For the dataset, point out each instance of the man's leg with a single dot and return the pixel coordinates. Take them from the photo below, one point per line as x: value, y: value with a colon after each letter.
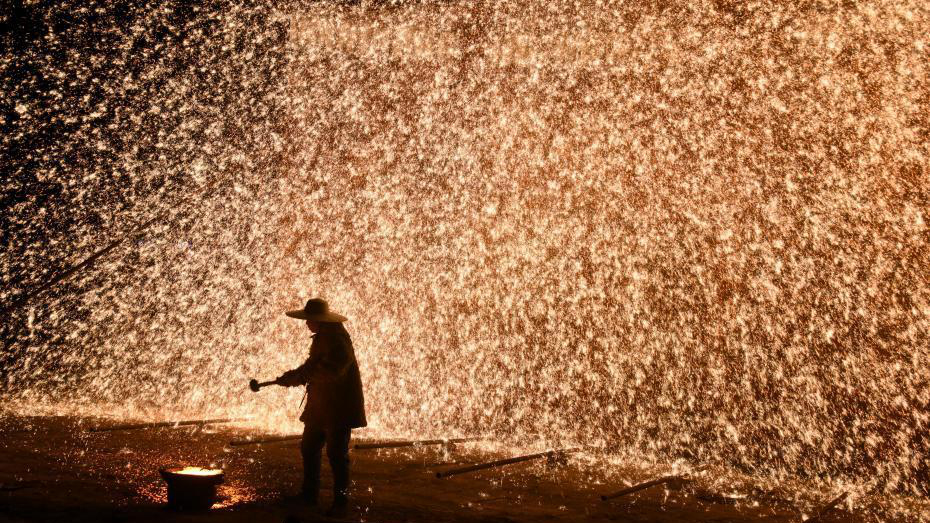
x: 311, y: 448
x: 337, y: 450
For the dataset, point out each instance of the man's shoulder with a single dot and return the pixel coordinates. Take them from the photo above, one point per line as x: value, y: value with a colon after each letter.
x: 332, y: 338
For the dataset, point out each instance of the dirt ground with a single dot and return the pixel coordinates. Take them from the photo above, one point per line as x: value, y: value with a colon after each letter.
x: 53, y: 469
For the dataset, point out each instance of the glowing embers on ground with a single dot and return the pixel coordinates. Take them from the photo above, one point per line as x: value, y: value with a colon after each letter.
x: 228, y: 495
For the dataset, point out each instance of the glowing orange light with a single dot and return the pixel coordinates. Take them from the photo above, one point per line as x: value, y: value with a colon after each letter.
x: 198, y: 471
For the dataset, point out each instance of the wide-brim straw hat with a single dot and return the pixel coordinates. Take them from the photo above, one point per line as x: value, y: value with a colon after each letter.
x: 316, y: 309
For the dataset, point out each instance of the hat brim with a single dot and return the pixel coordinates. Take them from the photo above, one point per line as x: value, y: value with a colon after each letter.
x: 329, y: 317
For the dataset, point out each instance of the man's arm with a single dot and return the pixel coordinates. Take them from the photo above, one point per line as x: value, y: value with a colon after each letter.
x: 297, y: 377
x: 335, y: 362
x: 301, y: 375
x: 329, y: 360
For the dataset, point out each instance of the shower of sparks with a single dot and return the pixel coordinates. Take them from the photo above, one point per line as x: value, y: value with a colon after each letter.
x: 690, y: 230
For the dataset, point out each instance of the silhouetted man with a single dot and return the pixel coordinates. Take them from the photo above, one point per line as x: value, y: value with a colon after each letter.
x: 335, y: 404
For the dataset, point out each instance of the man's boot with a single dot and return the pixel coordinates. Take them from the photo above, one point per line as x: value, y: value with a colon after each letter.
x: 302, y: 499
x: 310, y: 495
x: 340, y: 506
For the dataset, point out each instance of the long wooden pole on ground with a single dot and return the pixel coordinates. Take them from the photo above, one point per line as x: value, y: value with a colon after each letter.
x: 259, y: 441
x: 836, y: 501
x: 640, y: 486
x: 358, y: 446
x: 133, y: 426
x: 503, y: 462
x: 412, y: 443
x: 652, y: 483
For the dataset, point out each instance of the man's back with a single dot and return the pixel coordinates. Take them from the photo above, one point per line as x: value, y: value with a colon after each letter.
x: 334, y: 383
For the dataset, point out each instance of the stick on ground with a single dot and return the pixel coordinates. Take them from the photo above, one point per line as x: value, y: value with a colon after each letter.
x: 172, y: 424
x: 652, y: 483
x: 640, y: 486
x: 413, y: 443
x: 836, y: 501
x: 269, y: 439
x: 503, y: 462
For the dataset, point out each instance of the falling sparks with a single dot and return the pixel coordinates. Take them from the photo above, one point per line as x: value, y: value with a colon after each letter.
x: 692, y: 231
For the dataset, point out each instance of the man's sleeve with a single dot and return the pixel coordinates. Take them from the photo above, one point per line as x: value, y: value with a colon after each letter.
x: 297, y: 377
x: 302, y: 375
x: 335, y: 361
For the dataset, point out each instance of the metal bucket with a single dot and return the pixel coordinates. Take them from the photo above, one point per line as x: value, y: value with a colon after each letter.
x: 191, y: 488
